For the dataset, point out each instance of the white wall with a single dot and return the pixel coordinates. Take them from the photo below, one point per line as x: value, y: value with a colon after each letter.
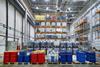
x: 31, y: 33
x: 11, y: 18
x: 3, y: 21
x: 90, y: 13
x: 72, y: 32
x: 18, y: 26
x: 10, y: 22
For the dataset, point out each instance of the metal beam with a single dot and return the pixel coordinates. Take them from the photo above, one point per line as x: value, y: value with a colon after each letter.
x: 17, y: 6
x: 6, y: 41
x: 14, y: 23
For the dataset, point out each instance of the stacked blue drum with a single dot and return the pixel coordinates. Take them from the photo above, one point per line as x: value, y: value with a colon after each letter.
x: 27, y: 57
x: 69, y: 57
x: 91, y: 56
x: 63, y: 57
x: 81, y: 56
x: 52, y: 56
x: 23, y: 56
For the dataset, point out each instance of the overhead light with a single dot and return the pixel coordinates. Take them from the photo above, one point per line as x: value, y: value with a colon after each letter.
x: 66, y: 10
x: 47, y: 8
x: 69, y: 8
x: 66, y: 15
x: 79, y: 0
x: 46, y: 0
x: 48, y: 15
x: 72, y: 14
x: 33, y: 0
x: 56, y: 6
x: 37, y: 7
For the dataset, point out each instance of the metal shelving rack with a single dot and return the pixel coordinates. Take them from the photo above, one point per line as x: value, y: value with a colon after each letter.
x: 81, y: 30
x: 96, y: 27
x: 48, y: 27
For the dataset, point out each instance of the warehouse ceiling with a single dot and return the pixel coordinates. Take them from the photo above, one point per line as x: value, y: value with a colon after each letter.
x: 69, y: 8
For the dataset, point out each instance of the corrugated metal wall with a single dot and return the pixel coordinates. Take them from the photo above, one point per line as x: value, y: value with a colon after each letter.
x: 18, y: 26
x: 15, y: 20
x: 10, y: 22
x: 2, y: 22
x: 31, y: 33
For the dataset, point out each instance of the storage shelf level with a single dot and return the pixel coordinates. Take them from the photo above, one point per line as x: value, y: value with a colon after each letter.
x: 49, y: 26
x: 49, y: 21
x: 97, y: 11
x: 50, y: 38
x: 50, y: 32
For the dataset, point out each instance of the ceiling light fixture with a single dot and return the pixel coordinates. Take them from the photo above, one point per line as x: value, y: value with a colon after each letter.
x: 33, y: 0
x: 48, y: 15
x: 56, y: 6
x: 69, y: 8
x: 37, y: 7
x: 47, y: 8
x: 46, y: 0
x: 79, y: 0
x: 72, y: 14
x: 66, y: 10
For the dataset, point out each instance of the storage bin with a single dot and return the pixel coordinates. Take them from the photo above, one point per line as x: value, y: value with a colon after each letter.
x: 81, y: 57
x: 20, y: 58
x: 23, y: 53
x: 41, y: 58
x: 53, y: 18
x: 6, y: 57
x: 52, y: 55
x: 52, y: 58
x: 13, y: 57
x: 69, y: 57
x: 91, y: 57
x: 34, y: 58
x: 27, y: 58
x: 63, y: 57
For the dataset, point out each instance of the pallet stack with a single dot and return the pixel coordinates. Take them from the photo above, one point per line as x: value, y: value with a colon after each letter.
x: 65, y: 57
x: 13, y: 57
x: 91, y: 56
x: 10, y: 56
x: 52, y: 56
x: 6, y: 57
x: 38, y: 57
x: 33, y: 58
x: 81, y: 56
x: 21, y: 55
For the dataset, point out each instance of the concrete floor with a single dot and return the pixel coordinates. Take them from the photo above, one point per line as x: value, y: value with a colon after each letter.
x: 51, y: 65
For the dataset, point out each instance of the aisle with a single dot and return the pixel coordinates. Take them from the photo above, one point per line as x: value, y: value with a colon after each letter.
x: 52, y: 65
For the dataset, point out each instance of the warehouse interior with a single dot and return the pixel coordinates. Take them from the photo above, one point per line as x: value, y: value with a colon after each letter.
x: 50, y: 33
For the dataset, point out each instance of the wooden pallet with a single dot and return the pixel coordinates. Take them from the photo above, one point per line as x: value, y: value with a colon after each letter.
x: 62, y: 63
x: 69, y: 63
x: 97, y: 63
x: 40, y: 63
x: 20, y: 63
x: 12, y: 62
x: 87, y: 62
x: 26, y: 63
x: 37, y: 63
x: 53, y: 63
x: 76, y: 62
x: 33, y: 63
x: 6, y: 63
